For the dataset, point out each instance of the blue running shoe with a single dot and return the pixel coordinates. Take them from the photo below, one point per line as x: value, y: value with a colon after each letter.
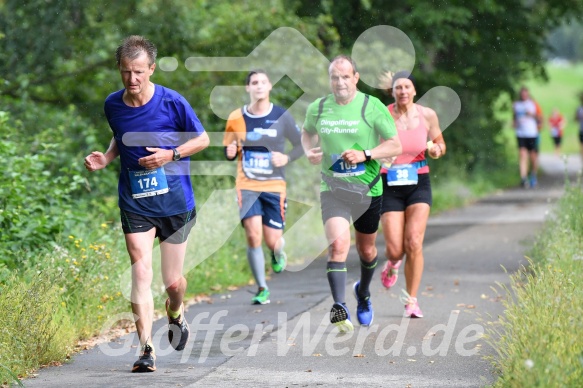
x: 340, y: 317
x: 364, y: 311
x: 533, y: 181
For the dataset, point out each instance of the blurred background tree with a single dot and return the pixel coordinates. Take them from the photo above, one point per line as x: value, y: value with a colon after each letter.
x: 566, y: 41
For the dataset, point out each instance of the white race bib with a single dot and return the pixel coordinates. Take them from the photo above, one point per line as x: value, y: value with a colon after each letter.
x: 340, y: 168
x: 402, y: 175
x: 147, y: 183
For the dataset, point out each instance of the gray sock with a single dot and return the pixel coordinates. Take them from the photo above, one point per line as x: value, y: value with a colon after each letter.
x: 257, y: 263
x: 366, y: 274
x: 336, y: 273
x: 280, y: 250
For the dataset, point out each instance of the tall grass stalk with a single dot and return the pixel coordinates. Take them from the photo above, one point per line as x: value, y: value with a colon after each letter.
x: 34, y: 329
x: 538, y: 339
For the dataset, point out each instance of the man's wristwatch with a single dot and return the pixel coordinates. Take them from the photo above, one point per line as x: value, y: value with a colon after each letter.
x: 367, y: 155
x: 176, y: 154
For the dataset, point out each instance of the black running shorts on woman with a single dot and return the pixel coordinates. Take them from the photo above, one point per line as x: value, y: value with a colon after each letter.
x: 397, y: 198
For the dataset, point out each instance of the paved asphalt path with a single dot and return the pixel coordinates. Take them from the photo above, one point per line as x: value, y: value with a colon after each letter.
x: 290, y: 342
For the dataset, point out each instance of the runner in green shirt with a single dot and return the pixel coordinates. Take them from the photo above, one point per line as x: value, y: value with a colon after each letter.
x: 344, y: 133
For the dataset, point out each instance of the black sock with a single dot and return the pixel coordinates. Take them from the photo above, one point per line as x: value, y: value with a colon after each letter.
x: 336, y: 273
x: 366, y: 274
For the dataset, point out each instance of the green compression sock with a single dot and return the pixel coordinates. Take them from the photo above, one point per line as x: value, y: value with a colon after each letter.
x: 173, y: 314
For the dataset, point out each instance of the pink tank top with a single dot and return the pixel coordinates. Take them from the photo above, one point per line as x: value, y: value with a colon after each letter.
x: 413, y: 141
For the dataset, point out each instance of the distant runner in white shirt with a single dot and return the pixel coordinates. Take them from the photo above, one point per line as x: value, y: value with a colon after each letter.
x: 525, y: 124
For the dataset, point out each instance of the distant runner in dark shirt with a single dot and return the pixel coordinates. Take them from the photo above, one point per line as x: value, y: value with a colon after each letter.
x: 256, y: 136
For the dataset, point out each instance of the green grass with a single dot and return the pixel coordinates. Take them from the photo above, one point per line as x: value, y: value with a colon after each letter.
x: 34, y: 327
x: 538, y: 337
x: 561, y: 92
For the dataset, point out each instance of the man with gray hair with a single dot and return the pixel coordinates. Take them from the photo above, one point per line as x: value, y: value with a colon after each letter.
x: 343, y: 132
x: 156, y: 198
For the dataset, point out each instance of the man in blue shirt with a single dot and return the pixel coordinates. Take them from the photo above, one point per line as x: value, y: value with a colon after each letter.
x: 155, y: 192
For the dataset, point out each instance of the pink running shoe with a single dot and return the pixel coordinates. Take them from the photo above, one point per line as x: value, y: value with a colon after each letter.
x: 390, y: 273
x: 412, y: 309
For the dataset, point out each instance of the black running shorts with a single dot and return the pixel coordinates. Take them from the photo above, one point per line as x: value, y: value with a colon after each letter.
x: 530, y: 143
x: 171, y: 229
x: 366, y: 217
x: 397, y: 198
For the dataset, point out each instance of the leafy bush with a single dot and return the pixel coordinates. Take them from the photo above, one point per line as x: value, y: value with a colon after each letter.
x: 35, y: 203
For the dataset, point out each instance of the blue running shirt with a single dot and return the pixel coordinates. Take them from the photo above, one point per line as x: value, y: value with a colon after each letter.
x: 166, y: 121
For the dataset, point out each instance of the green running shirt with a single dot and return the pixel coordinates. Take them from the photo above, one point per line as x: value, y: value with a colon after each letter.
x: 341, y: 127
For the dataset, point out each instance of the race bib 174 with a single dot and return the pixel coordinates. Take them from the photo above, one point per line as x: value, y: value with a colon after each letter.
x: 147, y: 183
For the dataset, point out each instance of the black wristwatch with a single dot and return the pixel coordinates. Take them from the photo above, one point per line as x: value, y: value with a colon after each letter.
x: 367, y: 155
x: 176, y: 154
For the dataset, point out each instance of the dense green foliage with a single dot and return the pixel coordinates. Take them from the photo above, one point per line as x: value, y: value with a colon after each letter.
x: 37, y: 197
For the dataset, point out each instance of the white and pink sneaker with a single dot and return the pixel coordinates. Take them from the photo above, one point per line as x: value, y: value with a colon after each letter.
x: 412, y: 309
x: 390, y: 273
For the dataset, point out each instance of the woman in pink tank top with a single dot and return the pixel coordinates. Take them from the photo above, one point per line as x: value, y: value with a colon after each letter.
x: 407, y: 195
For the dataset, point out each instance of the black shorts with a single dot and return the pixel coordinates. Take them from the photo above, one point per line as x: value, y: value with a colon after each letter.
x: 581, y: 137
x: 170, y: 229
x: 530, y: 143
x: 398, y: 198
x: 557, y: 140
x: 366, y: 217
